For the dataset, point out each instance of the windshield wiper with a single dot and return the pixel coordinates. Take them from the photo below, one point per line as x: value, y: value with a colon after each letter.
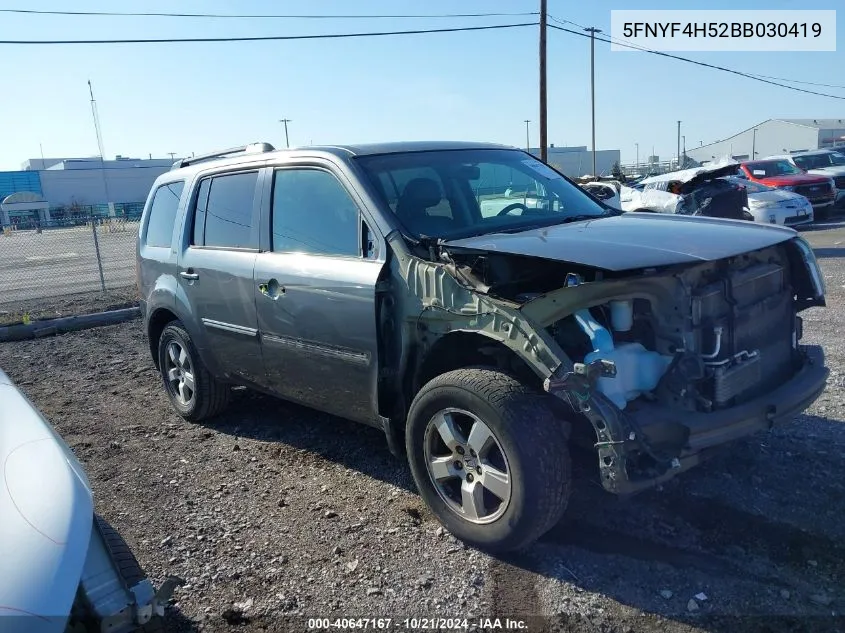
x: 579, y: 218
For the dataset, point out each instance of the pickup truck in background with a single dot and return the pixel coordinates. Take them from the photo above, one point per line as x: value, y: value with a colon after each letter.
x: 782, y: 173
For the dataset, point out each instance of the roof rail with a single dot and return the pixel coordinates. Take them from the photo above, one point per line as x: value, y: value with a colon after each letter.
x: 252, y: 148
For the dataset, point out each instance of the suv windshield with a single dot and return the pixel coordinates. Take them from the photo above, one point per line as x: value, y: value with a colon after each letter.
x: 817, y: 161
x: 771, y: 168
x: 458, y: 193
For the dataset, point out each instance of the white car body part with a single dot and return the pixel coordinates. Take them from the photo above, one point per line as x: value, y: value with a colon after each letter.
x: 605, y: 192
x: 654, y: 195
x: 52, y: 551
x: 770, y: 205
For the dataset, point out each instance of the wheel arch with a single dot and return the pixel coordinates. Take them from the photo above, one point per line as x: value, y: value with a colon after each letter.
x: 159, y: 319
x: 460, y: 349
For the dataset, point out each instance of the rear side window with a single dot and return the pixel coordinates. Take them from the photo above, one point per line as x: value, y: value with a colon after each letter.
x: 163, y: 214
x: 224, y: 213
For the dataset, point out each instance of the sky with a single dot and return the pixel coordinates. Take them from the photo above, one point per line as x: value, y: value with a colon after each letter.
x: 154, y: 99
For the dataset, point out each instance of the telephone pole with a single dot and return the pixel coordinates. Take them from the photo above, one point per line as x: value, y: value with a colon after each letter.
x: 754, y: 145
x: 544, y: 154
x: 592, y: 31
x: 285, y: 123
x: 527, y: 137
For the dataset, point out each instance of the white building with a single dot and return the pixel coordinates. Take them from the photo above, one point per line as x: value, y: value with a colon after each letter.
x: 578, y: 161
x: 774, y: 136
x: 50, y: 188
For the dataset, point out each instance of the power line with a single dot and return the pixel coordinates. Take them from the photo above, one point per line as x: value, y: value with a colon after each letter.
x: 267, y: 38
x: 799, y: 81
x: 260, y: 16
x: 698, y: 63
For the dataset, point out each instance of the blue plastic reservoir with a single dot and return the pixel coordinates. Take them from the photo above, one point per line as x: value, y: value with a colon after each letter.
x: 637, y: 369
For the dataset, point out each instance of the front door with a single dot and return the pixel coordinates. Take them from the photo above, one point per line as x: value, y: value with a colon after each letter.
x: 315, y: 295
x: 216, y: 272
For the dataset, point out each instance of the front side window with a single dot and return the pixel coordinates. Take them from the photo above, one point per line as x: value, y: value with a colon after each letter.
x: 224, y: 210
x: 313, y: 213
x: 163, y: 214
x: 457, y: 193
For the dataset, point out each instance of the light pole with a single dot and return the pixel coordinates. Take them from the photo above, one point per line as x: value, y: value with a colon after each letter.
x: 679, y: 144
x: 684, y: 145
x: 637, y: 168
x: 544, y: 139
x: 527, y: 136
x: 592, y: 31
x: 285, y: 123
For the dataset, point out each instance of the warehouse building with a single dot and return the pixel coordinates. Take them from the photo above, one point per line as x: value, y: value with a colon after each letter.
x: 775, y: 136
x: 578, y: 160
x: 47, y: 189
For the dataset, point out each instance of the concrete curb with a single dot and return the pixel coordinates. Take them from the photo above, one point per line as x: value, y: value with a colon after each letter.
x: 49, y: 327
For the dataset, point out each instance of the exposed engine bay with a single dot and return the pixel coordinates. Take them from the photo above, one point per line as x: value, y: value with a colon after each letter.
x: 669, y: 347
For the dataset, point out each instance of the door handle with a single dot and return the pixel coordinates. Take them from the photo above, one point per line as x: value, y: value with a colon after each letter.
x: 189, y: 274
x: 271, y: 289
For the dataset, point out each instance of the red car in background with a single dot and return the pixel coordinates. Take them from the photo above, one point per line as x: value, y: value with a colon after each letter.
x: 782, y: 174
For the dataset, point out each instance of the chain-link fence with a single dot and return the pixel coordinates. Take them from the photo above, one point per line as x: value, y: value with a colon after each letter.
x: 41, y: 259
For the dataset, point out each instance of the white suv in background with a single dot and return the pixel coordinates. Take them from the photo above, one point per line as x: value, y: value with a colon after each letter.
x: 823, y: 162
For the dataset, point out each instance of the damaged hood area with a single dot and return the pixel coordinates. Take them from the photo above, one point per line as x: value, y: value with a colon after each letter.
x: 631, y: 241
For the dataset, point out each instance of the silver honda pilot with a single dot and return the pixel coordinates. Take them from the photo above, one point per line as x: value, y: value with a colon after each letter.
x: 477, y: 306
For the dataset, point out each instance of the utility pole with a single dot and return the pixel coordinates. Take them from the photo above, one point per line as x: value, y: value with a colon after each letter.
x: 592, y: 31
x: 172, y: 155
x: 96, y: 117
x: 638, y: 157
x: 285, y: 123
x: 527, y: 137
x: 679, y: 144
x: 684, y: 146
x: 544, y: 155
x: 754, y: 145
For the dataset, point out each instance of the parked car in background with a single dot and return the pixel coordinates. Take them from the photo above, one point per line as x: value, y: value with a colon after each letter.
x: 822, y: 162
x: 783, y: 174
x: 775, y: 206
x: 61, y: 566
x: 698, y: 191
x: 366, y: 282
x: 607, y: 192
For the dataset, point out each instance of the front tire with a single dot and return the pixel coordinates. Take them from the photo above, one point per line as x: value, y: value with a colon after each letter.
x: 193, y: 391
x: 489, y: 458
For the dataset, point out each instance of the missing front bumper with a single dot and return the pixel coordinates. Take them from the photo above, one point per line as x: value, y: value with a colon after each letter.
x: 675, y: 441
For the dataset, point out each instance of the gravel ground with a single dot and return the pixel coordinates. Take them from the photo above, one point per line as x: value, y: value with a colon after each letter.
x: 274, y: 511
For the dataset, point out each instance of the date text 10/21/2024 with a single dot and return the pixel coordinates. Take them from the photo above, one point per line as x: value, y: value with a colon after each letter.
x: 418, y: 624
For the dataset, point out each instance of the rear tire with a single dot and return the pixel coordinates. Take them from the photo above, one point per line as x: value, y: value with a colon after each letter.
x: 193, y: 391
x: 529, y: 445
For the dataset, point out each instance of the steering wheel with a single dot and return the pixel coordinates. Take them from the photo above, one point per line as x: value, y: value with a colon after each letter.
x: 512, y: 207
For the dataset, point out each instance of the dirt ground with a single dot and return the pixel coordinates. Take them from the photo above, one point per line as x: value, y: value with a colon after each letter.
x: 68, y: 305
x: 274, y: 512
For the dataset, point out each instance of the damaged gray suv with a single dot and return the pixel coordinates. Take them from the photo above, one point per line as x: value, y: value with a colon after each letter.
x: 481, y: 310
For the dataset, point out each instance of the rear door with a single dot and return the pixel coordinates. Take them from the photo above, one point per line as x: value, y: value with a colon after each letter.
x: 216, y: 271
x: 315, y: 292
